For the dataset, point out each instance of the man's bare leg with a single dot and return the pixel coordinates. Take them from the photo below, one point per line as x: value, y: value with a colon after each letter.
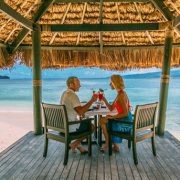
x: 103, y: 122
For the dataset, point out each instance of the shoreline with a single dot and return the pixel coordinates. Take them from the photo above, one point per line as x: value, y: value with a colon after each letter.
x: 15, y: 124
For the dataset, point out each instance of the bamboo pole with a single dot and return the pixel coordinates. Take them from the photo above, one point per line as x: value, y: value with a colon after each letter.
x: 165, y: 81
x: 37, y: 83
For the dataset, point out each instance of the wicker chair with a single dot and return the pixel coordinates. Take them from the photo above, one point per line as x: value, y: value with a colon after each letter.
x: 142, y: 127
x: 55, y: 119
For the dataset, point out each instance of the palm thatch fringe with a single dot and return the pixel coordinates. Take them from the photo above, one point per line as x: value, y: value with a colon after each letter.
x: 111, y: 60
x: 6, y: 60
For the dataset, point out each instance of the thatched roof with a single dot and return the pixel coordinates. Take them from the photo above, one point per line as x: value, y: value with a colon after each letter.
x: 117, y: 50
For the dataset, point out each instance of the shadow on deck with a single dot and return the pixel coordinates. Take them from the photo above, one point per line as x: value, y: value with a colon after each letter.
x: 24, y: 160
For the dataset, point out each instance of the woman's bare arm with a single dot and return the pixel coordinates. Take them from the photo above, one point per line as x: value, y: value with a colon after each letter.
x: 109, y: 106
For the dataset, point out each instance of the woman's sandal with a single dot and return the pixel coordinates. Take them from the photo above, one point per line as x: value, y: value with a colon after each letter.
x: 82, y: 150
x: 115, y: 149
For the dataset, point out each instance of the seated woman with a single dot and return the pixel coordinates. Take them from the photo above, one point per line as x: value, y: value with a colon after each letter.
x: 122, y: 105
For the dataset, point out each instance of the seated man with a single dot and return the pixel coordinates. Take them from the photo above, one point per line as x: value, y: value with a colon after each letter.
x: 75, y: 110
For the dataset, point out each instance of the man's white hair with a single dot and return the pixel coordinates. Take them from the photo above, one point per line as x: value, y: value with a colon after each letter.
x: 70, y: 80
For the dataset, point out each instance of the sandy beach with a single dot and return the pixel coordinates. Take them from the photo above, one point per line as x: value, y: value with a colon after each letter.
x: 14, y: 125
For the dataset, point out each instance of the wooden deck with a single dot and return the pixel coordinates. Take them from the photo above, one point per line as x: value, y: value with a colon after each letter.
x: 24, y: 160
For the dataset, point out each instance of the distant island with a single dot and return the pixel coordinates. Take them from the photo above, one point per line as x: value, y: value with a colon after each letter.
x: 4, y: 77
x: 173, y: 74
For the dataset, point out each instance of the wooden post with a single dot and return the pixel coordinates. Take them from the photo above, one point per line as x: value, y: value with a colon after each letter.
x: 37, y: 83
x: 165, y: 81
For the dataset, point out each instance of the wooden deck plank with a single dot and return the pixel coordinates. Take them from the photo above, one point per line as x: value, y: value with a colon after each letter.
x: 74, y: 166
x: 28, y: 164
x: 67, y: 168
x: 19, y: 163
x: 55, y: 164
x: 58, y: 171
x: 87, y: 167
x: 113, y: 166
x: 44, y: 162
x: 45, y: 171
x: 100, y: 166
x: 154, y: 159
x: 153, y: 166
x: 35, y: 158
x: 24, y: 160
x: 131, y: 163
x: 145, y: 163
x: 127, y: 168
x: 134, y: 169
x: 39, y: 163
x: 120, y: 166
x: 12, y: 150
x: 80, y: 168
x: 14, y: 157
x: 107, y: 168
x: 165, y: 158
x: 93, y: 169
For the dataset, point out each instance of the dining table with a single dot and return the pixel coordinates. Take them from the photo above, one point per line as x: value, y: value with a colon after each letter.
x: 97, y: 113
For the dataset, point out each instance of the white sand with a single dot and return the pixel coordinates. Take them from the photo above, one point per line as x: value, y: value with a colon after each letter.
x: 14, y: 125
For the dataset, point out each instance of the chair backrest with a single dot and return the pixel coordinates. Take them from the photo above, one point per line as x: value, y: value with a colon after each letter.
x: 55, y: 117
x: 145, y: 116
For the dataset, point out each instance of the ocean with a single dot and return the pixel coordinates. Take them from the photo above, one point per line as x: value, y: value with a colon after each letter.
x: 16, y: 95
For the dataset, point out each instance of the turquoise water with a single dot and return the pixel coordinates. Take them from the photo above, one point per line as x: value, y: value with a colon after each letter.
x: 16, y: 95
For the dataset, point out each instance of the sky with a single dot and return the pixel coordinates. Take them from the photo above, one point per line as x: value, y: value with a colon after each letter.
x: 24, y: 72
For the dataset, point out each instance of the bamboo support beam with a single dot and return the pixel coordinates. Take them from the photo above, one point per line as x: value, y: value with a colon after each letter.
x: 82, y: 19
x: 62, y: 22
x: 175, y: 7
x: 101, y: 22
x: 165, y: 81
x: 42, y: 9
x: 117, y: 9
x: 90, y: 48
x: 17, y: 26
x: 9, y: 20
x: 37, y: 82
x: 159, y: 4
x: 140, y: 16
x: 16, y: 16
x: 176, y: 24
x: 102, y: 27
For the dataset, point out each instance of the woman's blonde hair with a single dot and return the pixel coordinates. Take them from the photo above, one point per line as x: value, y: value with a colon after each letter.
x: 117, y: 81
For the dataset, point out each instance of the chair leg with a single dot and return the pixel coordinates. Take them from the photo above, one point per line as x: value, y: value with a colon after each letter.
x: 99, y: 136
x: 110, y: 144
x: 45, y: 147
x: 153, y: 145
x: 66, y: 153
x: 89, y: 145
x: 95, y: 126
x: 129, y: 144
x: 134, y: 153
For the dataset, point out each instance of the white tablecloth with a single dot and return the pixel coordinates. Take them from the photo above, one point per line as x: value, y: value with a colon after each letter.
x: 101, y: 111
